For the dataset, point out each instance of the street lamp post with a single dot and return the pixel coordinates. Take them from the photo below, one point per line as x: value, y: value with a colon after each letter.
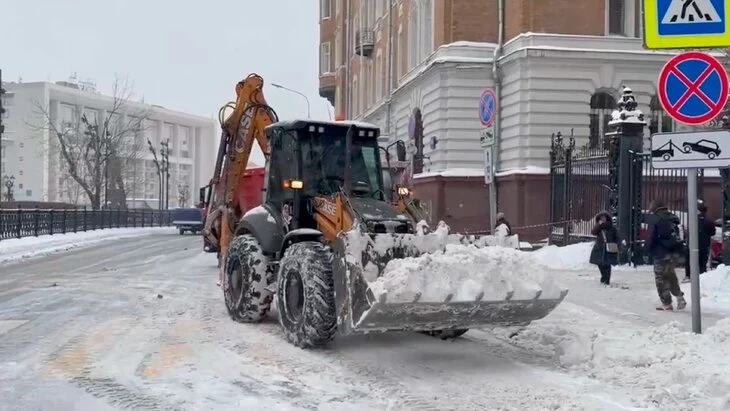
x: 9, y: 182
x: 309, y: 112
x: 165, y: 153
x: 159, y: 173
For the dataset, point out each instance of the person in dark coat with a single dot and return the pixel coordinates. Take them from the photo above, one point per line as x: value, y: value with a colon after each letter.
x: 605, y: 250
x: 665, y: 245
x: 706, y: 229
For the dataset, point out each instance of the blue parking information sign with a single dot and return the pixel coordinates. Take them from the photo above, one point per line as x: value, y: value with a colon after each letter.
x: 678, y: 24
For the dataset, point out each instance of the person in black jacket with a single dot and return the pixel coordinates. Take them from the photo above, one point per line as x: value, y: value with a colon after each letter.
x: 605, y: 250
x: 706, y: 229
x: 665, y: 245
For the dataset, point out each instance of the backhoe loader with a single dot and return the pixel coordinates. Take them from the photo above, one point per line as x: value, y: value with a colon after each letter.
x: 324, y: 182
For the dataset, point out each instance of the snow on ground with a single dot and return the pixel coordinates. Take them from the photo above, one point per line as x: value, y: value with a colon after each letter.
x: 26, y: 247
x: 715, y: 289
x: 667, y: 366
x: 571, y: 257
x: 465, y: 272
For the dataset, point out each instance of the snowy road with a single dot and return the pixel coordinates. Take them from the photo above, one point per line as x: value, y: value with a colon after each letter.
x: 140, y: 324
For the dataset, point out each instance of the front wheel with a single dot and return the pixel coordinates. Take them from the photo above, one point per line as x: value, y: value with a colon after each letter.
x: 305, y: 295
x: 245, y: 279
x: 711, y: 155
x: 687, y: 149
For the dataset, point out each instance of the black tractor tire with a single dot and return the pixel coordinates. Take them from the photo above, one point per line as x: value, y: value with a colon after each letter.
x: 245, y: 279
x: 305, y: 295
x: 446, y: 334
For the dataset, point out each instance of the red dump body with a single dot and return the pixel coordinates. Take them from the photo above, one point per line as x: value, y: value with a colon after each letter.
x: 250, y: 188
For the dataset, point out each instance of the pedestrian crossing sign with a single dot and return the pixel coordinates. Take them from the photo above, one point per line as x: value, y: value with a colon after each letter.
x: 681, y: 24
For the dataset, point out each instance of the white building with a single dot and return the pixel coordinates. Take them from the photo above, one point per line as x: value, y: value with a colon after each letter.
x: 31, y: 151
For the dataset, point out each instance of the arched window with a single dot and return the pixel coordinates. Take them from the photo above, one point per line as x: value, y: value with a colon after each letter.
x: 602, y: 104
x: 659, y: 121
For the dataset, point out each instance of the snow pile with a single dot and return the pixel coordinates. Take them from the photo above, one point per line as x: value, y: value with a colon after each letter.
x: 715, y: 289
x: 673, y: 368
x: 27, y: 247
x: 570, y: 257
x: 465, y: 271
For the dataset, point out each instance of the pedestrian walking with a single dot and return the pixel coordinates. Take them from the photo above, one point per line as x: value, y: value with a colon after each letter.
x: 605, y: 250
x: 706, y: 229
x: 502, y: 228
x: 665, y: 245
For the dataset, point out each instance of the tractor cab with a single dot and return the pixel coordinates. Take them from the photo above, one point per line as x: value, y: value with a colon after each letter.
x: 312, y: 161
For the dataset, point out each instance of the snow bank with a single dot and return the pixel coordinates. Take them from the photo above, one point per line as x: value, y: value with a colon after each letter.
x: 715, y: 289
x: 27, y: 247
x: 465, y: 271
x: 674, y: 368
x: 570, y: 257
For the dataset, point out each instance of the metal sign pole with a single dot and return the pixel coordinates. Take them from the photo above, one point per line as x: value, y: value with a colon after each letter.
x: 694, y: 261
x: 492, y: 191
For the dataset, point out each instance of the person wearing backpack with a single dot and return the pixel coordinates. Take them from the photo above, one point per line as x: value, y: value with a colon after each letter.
x: 665, y: 245
x: 605, y: 250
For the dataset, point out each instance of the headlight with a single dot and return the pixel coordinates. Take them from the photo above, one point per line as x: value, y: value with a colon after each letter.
x: 403, y: 191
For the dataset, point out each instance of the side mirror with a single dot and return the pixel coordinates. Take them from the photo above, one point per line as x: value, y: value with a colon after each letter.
x: 202, y: 194
x: 400, y: 150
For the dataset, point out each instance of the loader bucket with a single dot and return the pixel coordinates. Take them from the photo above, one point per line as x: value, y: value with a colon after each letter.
x: 360, y: 258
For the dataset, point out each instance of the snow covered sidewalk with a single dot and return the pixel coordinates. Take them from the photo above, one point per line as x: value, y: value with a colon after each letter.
x: 27, y: 247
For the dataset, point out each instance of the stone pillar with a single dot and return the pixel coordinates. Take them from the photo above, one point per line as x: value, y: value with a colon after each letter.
x: 626, y: 146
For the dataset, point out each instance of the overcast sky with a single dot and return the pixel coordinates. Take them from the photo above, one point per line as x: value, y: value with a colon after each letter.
x: 185, y: 55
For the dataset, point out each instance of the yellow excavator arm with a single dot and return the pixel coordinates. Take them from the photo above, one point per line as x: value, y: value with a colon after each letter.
x: 244, y: 126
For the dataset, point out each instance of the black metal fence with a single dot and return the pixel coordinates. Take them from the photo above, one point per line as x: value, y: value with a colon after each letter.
x: 18, y: 223
x: 581, y: 186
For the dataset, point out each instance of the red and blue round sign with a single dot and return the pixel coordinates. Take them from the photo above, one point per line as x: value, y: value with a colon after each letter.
x: 487, y: 107
x: 693, y: 88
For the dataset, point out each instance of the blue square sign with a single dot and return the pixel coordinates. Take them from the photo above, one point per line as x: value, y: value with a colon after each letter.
x: 690, y: 17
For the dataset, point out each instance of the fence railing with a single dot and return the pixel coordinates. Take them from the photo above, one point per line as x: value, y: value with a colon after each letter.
x: 18, y: 223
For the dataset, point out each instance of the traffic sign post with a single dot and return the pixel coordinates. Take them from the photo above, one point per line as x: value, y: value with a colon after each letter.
x: 680, y: 24
x: 693, y: 88
x: 693, y: 150
x: 487, y: 114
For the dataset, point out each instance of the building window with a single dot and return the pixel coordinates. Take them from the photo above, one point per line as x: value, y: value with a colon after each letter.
x: 325, y: 61
x: 602, y: 104
x: 368, y: 85
x: 21, y: 145
x: 325, y: 9
x: 20, y: 158
x: 420, y: 32
x: 378, y: 77
x: 413, y: 36
x: 426, y: 28
x: 616, y: 11
x: 401, y: 53
x: 623, y: 18
x: 660, y: 121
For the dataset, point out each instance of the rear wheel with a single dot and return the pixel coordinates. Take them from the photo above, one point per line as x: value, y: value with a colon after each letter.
x: 305, y: 295
x: 446, y: 334
x: 245, y: 279
x: 181, y: 231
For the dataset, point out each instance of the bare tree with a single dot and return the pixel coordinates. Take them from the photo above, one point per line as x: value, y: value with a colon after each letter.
x: 96, y: 151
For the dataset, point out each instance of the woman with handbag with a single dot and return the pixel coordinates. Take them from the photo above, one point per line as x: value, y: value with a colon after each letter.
x: 605, y: 249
